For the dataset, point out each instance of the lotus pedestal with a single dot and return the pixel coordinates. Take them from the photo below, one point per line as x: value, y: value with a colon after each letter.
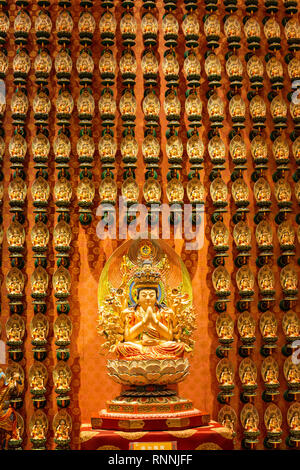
x: 149, y: 399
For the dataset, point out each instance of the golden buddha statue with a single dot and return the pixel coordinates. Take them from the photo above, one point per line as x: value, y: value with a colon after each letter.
x: 295, y: 421
x: 274, y: 424
x: 38, y: 430
x: 149, y: 327
x: 270, y: 376
x: 62, y: 431
x: 37, y: 382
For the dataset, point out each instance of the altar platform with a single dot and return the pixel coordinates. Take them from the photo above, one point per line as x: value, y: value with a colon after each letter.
x: 211, y: 437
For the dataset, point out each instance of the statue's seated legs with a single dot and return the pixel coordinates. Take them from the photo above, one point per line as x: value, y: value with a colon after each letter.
x: 166, y: 350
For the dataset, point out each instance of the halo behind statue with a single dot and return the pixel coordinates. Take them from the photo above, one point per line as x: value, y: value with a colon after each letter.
x: 163, y: 258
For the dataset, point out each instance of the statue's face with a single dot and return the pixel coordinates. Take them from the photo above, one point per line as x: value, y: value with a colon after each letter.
x: 147, y: 297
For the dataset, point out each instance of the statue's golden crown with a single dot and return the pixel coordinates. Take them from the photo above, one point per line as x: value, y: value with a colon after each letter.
x: 146, y: 277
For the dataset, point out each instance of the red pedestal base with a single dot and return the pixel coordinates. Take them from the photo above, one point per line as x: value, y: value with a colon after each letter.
x: 151, y: 421
x: 210, y: 437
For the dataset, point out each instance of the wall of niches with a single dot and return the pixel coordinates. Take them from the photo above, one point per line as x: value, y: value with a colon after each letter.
x: 162, y: 102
